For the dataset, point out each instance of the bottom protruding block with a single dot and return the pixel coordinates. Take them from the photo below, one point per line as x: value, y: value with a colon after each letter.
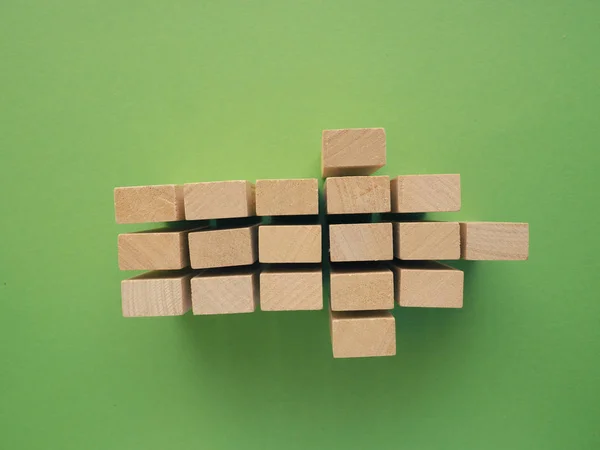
x: 291, y: 289
x: 362, y: 334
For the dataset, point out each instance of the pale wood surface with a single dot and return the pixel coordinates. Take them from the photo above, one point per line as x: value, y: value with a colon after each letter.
x: 362, y: 334
x: 495, y: 241
x: 145, y: 204
x: 225, y: 291
x: 291, y: 289
x: 426, y: 193
x: 156, y: 294
x: 223, y: 247
x: 426, y: 240
x: 357, y: 195
x: 289, y: 244
x: 287, y: 197
x: 361, y: 288
x: 357, y: 151
x: 361, y: 242
x: 219, y: 200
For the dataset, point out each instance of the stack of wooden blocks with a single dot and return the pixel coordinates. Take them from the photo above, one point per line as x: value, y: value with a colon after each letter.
x: 220, y: 258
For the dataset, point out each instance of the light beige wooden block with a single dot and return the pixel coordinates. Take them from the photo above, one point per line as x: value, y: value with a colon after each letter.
x: 361, y: 242
x: 143, y: 204
x: 289, y: 244
x: 428, y: 285
x: 425, y: 193
x: 291, y: 289
x: 219, y: 200
x: 426, y: 240
x: 354, y: 151
x: 357, y: 195
x: 223, y: 247
x: 495, y: 241
x: 361, y: 288
x: 362, y: 334
x: 287, y: 197
x: 225, y: 291
x: 156, y: 294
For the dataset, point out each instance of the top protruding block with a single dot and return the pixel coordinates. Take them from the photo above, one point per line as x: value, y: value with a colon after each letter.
x: 426, y: 193
x: 145, y: 204
x: 219, y: 200
x: 352, y: 151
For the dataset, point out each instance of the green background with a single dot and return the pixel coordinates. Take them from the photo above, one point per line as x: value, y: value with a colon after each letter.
x: 98, y: 94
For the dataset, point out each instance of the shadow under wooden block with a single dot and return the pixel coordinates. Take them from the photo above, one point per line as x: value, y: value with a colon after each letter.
x: 361, y: 242
x: 360, y: 287
x: 426, y: 193
x: 352, y: 151
x: 223, y: 247
x: 362, y: 334
x: 426, y: 240
x: 288, y: 197
x: 494, y: 241
x: 291, y: 288
x: 289, y: 244
x: 219, y: 200
x: 357, y: 195
x: 145, y: 204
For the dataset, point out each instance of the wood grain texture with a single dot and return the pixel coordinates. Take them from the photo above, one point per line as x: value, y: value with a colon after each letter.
x: 223, y: 247
x: 225, y: 291
x: 426, y: 240
x: 287, y: 197
x: 494, y: 241
x: 361, y: 242
x: 156, y: 294
x: 426, y: 193
x: 291, y: 289
x: 361, y: 288
x: 356, y: 151
x: 357, y: 195
x: 219, y: 200
x: 362, y: 334
x: 289, y: 244
x: 145, y: 204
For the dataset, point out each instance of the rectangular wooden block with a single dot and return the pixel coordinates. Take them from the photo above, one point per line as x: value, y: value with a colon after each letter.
x: 287, y: 197
x: 144, y: 204
x: 223, y: 247
x: 491, y: 241
x: 357, y: 195
x: 291, y: 289
x: 426, y: 240
x: 361, y: 242
x: 225, y: 291
x: 156, y: 294
x: 354, y: 151
x: 428, y: 285
x: 361, y: 288
x: 425, y: 193
x: 289, y: 244
x: 219, y: 200
x: 362, y: 334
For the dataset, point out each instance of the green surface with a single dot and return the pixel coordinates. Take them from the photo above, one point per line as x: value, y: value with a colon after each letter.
x: 97, y: 94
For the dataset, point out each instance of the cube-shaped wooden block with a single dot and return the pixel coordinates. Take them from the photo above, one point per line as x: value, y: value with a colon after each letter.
x: 287, y: 197
x: 362, y: 334
x: 225, y: 291
x: 355, y: 151
x: 156, y: 294
x: 425, y: 193
x: 219, y: 200
x: 291, y: 289
x: 357, y: 195
x: 426, y: 240
x: 495, y: 241
x: 361, y: 242
x: 144, y: 204
x: 361, y: 288
x: 289, y: 244
x: 428, y: 285
x: 223, y: 247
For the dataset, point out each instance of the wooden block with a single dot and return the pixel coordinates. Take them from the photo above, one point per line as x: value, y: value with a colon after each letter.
x: 289, y: 244
x: 143, y: 204
x: 362, y: 334
x: 356, y: 195
x: 495, y: 241
x: 425, y: 193
x: 426, y: 240
x: 291, y: 289
x: 219, y: 200
x: 361, y: 242
x: 223, y: 248
x: 361, y: 288
x: 225, y: 291
x: 428, y: 285
x: 356, y: 151
x: 156, y: 294
x: 287, y: 197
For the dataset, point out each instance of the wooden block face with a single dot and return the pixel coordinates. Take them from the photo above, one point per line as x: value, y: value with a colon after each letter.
x: 361, y: 289
x: 156, y: 294
x: 293, y: 289
x: 425, y: 193
x: 219, y: 200
x: 223, y: 248
x: 287, y: 197
x: 356, y: 151
x: 495, y: 241
x: 426, y: 240
x: 145, y: 204
x: 363, y: 334
x: 225, y: 291
x: 357, y: 195
x: 160, y: 250
x: 361, y: 242
x: 289, y: 244
x: 429, y: 285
